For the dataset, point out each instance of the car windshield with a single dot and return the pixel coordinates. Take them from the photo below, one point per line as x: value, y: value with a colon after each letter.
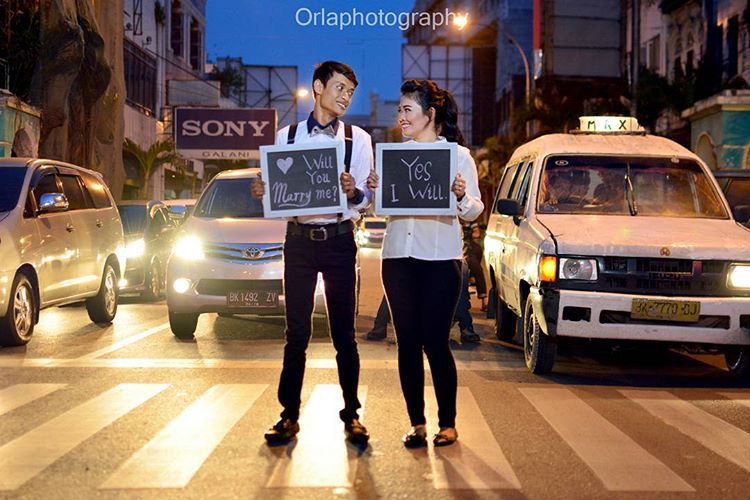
x: 133, y: 218
x: 667, y: 187
x: 11, y: 183
x: 229, y: 198
x: 738, y: 192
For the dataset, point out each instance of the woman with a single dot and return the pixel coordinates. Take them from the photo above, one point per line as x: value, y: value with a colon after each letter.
x: 421, y: 266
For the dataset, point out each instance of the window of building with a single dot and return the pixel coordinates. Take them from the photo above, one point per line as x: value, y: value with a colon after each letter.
x: 196, y: 44
x: 140, y: 77
x: 175, y: 35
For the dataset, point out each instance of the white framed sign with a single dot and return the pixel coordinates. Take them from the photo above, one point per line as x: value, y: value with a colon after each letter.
x: 303, y: 179
x: 416, y: 178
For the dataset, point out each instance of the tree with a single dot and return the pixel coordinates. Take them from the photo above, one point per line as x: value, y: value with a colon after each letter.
x: 158, y: 154
x: 230, y: 80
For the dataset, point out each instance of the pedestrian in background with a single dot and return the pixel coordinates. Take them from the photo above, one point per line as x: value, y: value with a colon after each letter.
x: 421, y: 267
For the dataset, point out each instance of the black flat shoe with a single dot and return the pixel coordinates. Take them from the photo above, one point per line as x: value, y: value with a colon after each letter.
x: 416, y: 437
x: 447, y: 436
x: 282, y: 432
x: 356, y: 433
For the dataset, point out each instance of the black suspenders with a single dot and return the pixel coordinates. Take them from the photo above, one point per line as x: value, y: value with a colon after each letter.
x: 348, y: 146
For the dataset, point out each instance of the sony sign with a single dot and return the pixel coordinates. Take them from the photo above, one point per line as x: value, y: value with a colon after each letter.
x: 221, y: 133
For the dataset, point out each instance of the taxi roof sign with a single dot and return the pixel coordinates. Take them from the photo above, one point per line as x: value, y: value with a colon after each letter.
x: 609, y: 124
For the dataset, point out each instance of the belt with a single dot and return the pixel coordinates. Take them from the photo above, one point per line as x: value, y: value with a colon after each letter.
x: 319, y: 233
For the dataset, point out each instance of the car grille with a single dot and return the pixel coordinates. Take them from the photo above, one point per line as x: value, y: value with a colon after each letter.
x: 247, y: 253
x: 649, y: 276
x: 221, y: 287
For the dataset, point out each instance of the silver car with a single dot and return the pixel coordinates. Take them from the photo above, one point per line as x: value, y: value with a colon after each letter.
x: 61, y: 241
x: 228, y: 259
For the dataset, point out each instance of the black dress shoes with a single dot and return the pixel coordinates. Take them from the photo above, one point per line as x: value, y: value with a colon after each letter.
x: 356, y: 433
x: 416, y: 437
x: 282, y: 431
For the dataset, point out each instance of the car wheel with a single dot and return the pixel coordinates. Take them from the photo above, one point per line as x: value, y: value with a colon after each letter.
x: 505, y: 320
x: 17, y: 325
x: 539, y: 350
x: 153, y: 283
x: 103, y: 306
x: 738, y: 362
x: 183, y: 324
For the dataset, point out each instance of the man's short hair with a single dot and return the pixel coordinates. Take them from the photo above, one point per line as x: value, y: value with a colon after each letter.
x: 325, y: 70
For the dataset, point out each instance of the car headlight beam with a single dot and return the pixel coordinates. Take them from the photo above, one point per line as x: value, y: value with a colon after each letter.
x: 578, y: 269
x: 188, y: 248
x: 135, y: 248
x: 739, y: 276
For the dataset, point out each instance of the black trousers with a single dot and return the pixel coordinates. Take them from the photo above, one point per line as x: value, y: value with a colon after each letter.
x: 335, y: 258
x: 422, y: 296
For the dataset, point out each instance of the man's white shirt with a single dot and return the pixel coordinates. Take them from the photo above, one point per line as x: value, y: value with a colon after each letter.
x: 361, y: 164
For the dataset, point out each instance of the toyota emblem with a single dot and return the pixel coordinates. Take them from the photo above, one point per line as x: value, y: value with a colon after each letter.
x: 253, y: 253
x: 664, y: 252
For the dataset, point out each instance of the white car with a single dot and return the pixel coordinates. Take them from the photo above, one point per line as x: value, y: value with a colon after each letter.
x: 371, y: 231
x: 621, y: 236
x: 61, y: 241
x: 228, y: 259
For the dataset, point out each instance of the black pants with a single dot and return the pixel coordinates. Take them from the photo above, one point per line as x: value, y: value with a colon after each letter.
x: 303, y: 259
x: 422, y: 296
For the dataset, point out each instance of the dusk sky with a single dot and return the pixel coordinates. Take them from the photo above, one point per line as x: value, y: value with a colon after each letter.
x: 268, y: 33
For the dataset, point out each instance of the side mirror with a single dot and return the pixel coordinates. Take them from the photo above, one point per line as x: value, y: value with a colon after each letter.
x: 741, y: 213
x: 508, y: 207
x: 53, y: 202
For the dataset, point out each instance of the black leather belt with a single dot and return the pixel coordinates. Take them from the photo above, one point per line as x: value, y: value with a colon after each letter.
x: 319, y: 233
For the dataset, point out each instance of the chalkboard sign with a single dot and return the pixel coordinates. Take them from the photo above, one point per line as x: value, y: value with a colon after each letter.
x: 416, y: 178
x: 302, y: 179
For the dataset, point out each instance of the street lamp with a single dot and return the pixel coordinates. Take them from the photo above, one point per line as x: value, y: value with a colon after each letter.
x: 461, y: 21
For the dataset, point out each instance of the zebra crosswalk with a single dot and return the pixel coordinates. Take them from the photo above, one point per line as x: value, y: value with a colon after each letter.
x: 482, y: 460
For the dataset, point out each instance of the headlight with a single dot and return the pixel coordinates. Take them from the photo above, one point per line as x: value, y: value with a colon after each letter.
x: 188, y: 248
x: 135, y: 248
x: 367, y: 234
x: 548, y: 268
x: 738, y: 276
x: 578, y: 269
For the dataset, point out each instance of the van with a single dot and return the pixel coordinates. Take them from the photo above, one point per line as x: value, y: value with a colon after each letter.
x: 61, y: 241
x: 611, y: 233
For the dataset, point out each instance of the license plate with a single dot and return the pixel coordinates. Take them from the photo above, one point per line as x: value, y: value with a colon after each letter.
x: 253, y: 299
x: 665, y: 310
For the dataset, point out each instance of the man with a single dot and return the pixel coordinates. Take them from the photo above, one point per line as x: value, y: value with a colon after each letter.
x: 324, y: 243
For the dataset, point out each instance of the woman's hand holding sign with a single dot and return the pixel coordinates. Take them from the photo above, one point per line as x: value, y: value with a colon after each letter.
x: 459, y: 187
x: 373, y: 180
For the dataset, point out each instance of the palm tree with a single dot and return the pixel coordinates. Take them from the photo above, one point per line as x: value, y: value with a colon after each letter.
x: 148, y: 161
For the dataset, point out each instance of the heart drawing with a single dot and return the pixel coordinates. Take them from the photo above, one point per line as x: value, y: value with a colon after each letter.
x: 284, y: 164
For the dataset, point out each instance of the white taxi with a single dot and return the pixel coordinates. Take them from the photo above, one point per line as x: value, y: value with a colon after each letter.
x: 610, y: 233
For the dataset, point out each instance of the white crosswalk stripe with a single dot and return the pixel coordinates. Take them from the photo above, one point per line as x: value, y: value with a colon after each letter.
x: 172, y: 458
x: 476, y: 461
x: 321, y: 458
x: 320, y: 429
x: 719, y: 436
x: 618, y: 461
x: 26, y: 456
x: 18, y: 395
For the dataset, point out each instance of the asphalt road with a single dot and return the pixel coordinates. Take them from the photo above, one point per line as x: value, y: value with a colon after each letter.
x: 127, y: 411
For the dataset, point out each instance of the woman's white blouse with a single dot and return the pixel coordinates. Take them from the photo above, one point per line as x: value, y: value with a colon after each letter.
x: 429, y: 237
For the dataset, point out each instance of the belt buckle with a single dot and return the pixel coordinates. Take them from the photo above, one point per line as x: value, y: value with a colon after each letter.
x: 318, y: 230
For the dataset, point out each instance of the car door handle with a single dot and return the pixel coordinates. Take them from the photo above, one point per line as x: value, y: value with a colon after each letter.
x: 99, y: 223
x: 69, y: 228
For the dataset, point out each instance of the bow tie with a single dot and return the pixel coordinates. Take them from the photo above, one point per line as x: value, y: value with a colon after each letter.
x: 324, y: 130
